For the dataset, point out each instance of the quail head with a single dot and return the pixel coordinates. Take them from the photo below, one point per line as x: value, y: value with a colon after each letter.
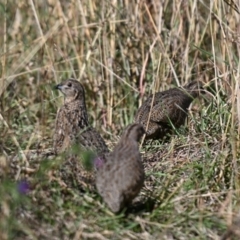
x: 121, y: 177
x: 163, y: 110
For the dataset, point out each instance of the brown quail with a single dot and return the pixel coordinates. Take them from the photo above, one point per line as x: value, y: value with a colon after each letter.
x: 121, y: 178
x: 72, y: 130
x: 164, y: 109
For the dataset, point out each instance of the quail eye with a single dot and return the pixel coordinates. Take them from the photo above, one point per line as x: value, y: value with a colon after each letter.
x: 69, y: 84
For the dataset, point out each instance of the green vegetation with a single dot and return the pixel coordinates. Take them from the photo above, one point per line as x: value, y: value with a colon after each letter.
x: 121, y: 52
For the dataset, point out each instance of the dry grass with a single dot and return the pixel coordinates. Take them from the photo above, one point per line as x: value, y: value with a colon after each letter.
x: 121, y: 52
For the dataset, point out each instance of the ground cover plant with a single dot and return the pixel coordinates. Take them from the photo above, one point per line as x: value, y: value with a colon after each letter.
x: 121, y: 51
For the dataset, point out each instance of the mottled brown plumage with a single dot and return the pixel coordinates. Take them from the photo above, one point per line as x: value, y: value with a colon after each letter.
x: 166, y: 108
x: 121, y: 178
x: 72, y: 129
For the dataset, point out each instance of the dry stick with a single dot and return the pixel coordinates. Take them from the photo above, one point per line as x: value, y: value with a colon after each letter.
x: 97, y: 24
x: 144, y: 67
x: 238, y: 102
x: 186, y: 52
x: 214, y: 62
x: 104, y: 54
x: 4, y: 42
x: 112, y: 54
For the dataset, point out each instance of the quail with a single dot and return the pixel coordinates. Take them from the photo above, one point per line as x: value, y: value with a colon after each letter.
x: 121, y: 178
x: 163, y: 110
x: 73, y: 131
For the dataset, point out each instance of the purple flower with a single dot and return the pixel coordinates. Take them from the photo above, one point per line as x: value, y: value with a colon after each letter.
x: 98, y: 162
x: 23, y: 187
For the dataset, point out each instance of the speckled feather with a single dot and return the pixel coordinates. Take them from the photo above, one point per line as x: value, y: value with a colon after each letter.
x: 121, y: 178
x: 167, y: 106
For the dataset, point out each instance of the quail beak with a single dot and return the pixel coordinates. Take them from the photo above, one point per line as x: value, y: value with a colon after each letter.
x: 59, y: 87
